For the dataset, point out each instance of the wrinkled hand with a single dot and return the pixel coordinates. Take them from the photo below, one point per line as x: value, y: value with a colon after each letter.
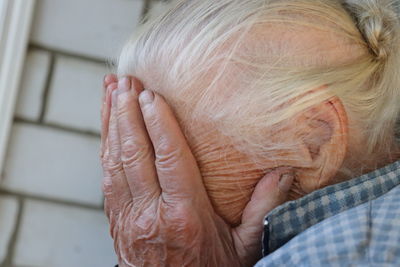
x: 159, y: 210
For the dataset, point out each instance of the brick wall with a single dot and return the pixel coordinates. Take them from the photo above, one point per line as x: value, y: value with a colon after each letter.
x: 51, y: 211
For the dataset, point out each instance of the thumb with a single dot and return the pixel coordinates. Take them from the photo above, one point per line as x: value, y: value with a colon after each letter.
x: 271, y: 191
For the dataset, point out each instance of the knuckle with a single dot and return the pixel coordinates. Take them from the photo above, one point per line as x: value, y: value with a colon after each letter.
x: 134, y: 153
x: 112, y: 167
x: 184, y: 219
x: 107, y: 187
x: 168, y: 154
x: 112, y: 158
x: 105, y: 156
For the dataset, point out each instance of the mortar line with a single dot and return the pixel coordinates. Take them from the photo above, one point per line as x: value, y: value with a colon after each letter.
x: 69, y: 54
x: 8, y: 261
x: 47, y: 86
x: 67, y: 203
x: 57, y: 127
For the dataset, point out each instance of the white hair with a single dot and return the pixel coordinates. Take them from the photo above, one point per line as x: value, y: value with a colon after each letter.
x: 244, y: 67
x: 207, y: 38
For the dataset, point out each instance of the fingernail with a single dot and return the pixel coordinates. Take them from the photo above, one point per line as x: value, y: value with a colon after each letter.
x: 124, y: 84
x: 285, y: 182
x: 146, y: 97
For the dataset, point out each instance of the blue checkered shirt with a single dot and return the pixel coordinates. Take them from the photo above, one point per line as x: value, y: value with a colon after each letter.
x: 355, y: 223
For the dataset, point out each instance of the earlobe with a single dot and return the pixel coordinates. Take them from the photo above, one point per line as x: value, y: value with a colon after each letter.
x: 325, y: 137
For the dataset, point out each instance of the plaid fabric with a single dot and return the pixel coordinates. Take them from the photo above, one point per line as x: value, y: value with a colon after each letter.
x: 355, y: 223
x: 396, y: 4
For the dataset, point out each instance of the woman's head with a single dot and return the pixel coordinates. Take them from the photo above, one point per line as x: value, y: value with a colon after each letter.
x: 256, y: 85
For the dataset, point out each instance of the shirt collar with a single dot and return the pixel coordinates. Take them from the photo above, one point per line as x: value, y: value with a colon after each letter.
x: 292, y: 218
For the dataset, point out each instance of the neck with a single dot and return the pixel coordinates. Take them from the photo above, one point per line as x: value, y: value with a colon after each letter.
x: 359, y: 162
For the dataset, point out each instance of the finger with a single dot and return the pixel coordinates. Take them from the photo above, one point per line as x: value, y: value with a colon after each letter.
x: 112, y: 218
x: 119, y: 193
x: 109, y: 79
x: 105, y: 116
x: 177, y: 170
x: 136, y: 148
x: 270, y: 192
x: 106, y: 208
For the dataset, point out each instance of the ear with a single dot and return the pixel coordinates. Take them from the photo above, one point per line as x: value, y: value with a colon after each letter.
x: 324, y: 136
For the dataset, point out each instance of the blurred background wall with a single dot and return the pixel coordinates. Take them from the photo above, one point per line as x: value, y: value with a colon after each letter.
x: 51, y: 211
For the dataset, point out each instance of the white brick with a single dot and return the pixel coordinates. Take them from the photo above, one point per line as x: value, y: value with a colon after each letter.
x: 95, y: 28
x: 33, y: 82
x: 8, y: 218
x: 60, y: 236
x: 52, y: 163
x: 75, y: 94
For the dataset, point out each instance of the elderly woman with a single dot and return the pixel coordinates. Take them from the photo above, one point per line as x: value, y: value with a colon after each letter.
x: 273, y: 99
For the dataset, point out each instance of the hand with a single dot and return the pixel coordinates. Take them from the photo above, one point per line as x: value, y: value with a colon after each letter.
x: 158, y: 208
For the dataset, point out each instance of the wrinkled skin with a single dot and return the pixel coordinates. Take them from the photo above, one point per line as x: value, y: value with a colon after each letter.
x: 158, y: 208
